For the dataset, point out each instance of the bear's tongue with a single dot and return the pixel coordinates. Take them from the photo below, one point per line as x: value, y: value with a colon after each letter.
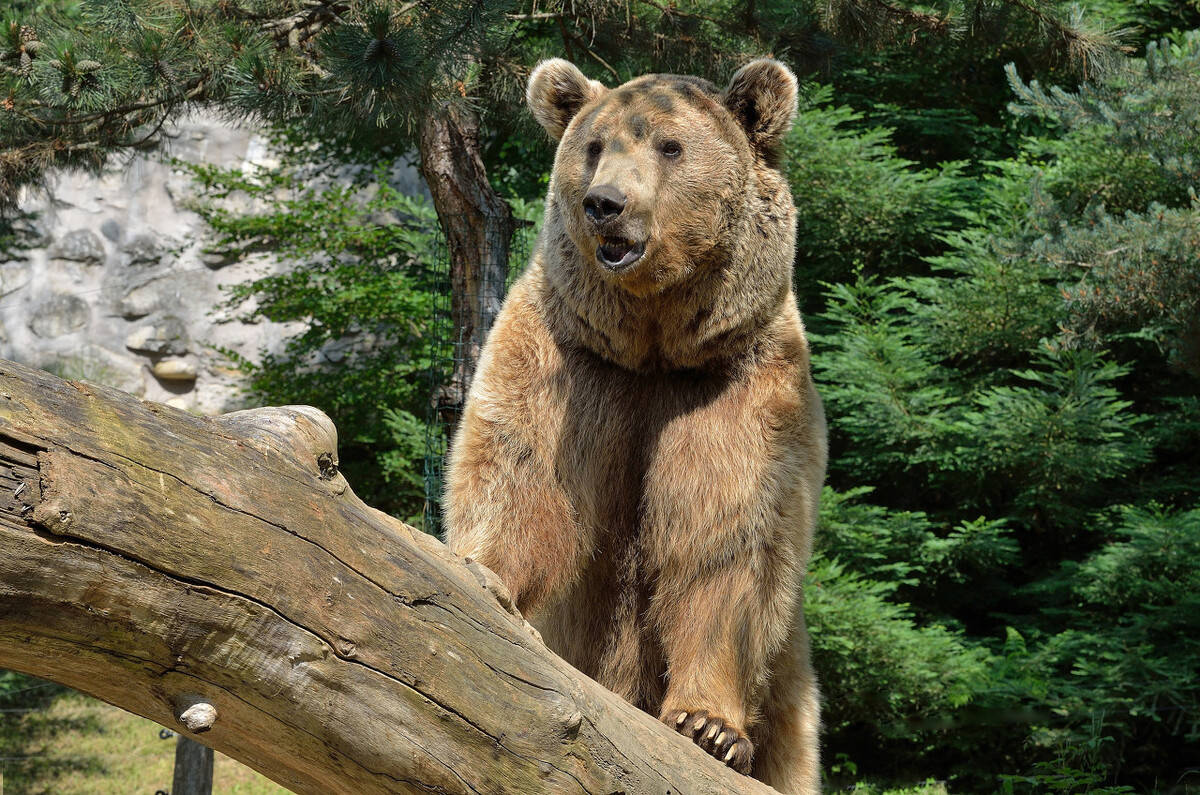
x: 617, y: 252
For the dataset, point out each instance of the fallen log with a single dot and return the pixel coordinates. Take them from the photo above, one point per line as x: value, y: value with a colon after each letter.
x: 218, y: 576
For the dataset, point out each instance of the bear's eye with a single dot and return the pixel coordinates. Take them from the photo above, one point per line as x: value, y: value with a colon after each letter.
x: 670, y: 148
x: 593, y: 149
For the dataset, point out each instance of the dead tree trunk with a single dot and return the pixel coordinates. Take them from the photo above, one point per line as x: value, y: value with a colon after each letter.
x: 478, y: 225
x: 218, y: 576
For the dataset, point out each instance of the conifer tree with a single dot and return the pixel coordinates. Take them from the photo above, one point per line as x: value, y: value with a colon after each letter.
x: 78, y: 88
x: 437, y: 76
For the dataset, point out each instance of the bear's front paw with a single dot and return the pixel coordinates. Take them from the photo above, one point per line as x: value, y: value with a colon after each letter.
x: 713, y: 735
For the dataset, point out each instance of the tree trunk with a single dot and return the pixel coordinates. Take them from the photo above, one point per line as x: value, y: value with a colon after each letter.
x: 478, y: 225
x: 218, y: 576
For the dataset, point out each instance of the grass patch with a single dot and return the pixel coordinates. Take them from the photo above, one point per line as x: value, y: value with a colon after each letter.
x: 78, y: 745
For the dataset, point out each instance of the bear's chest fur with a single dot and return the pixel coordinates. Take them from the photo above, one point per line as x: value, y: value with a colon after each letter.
x: 611, y: 427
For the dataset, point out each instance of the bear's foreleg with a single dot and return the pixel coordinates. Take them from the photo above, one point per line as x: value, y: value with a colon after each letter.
x: 506, y: 513
x: 505, y: 507
x: 724, y: 525
x: 718, y: 627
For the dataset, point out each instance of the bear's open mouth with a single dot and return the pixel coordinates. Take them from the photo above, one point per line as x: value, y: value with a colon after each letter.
x: 617, y: 253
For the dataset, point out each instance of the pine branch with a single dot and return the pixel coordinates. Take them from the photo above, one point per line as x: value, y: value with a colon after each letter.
x: 913, y: 19
x: 672, y: 11
x: 879, y: 21
x: 52, y: 131
x: 302, y: 26
x: 1093, y: 51
x: 535, y: 16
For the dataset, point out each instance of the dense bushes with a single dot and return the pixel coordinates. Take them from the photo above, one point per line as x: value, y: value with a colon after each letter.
x: 1005, y: 590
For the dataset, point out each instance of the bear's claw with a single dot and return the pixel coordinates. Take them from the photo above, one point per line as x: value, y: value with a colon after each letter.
x: 714, y: 736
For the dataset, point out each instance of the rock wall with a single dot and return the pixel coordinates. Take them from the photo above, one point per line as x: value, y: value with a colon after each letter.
x: 117, y: 289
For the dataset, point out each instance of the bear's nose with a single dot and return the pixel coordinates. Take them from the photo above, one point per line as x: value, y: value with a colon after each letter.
x: 603, y: 203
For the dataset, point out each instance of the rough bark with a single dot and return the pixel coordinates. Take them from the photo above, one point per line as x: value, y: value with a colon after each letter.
x: 478, y: 225
x: 218, y: 576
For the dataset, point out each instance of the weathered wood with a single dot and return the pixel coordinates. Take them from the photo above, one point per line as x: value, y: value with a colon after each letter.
x: 193, y: 768
x: 162, y: 561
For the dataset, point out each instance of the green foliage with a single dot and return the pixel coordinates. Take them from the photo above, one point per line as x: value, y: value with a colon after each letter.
x: 1154, y: 17
x: 999, y: 300
x: 1054, y: 442
x: 1042, y: 441
x: 858, y: 204
x: 886, y: 397
x: 358, y: 285
x: 1141, y: 281
x: 888, y: 668
x: 85, y: 80
x: 1029, y: 406
x: 927, y: 787
x: 1147, y: 114
x: 17, y: 235
x: 1123, y: 180
x: 21, y: 692
x: 1127, y: 635
x: 106, y: 77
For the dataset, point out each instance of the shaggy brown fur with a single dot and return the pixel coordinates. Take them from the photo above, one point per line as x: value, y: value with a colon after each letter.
x: 643, y: 449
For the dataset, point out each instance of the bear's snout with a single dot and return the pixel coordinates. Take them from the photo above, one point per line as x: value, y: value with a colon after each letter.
x: 603, y: 203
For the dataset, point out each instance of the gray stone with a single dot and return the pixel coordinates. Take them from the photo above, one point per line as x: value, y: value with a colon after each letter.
x: 97, y: 365
x: 219, y: 258
x: 30, y: 232
x: 13, y: 276
x: 153, y: 264
x: 175, y: 370
x: 141, y: 300
x: 58, y: 315
x: 81, y: 245
x: 112, y: 230
x: 144, y: 250
x: 167, y: 336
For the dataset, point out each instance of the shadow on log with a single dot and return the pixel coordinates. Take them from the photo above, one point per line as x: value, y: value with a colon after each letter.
x: 218, y: 576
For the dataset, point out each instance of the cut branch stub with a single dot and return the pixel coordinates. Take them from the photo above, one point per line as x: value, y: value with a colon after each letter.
x: 195, y: 713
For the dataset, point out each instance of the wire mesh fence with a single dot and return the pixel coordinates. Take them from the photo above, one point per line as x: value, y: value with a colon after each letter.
x: 463, y: 312
x: 53, y: 739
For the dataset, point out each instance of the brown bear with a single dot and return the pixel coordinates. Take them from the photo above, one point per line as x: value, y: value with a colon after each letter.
x: 642, y: 449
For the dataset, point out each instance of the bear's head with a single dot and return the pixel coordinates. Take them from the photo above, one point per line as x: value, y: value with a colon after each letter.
x: 661, y: 177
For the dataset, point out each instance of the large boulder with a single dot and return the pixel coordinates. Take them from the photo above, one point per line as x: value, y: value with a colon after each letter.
x: 166, y: 336
x: 58, y: 315
x: 80, y: 245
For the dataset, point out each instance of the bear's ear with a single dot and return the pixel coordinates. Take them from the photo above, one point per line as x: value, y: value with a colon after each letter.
x: 762, y: 97
x: 556, y: 92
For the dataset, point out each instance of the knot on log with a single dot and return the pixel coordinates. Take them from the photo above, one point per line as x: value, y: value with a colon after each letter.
x: 302, y: 433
